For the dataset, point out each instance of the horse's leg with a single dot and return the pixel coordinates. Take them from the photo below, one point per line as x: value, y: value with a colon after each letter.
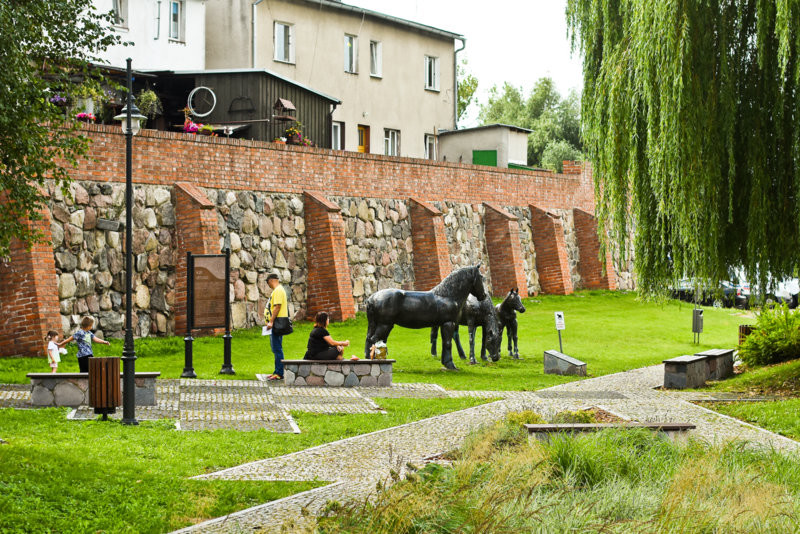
x: 447, y: 345
x: 509, y: 337
x: 457, y: 339
x: 483, y: 344
x: 472, y: 329
x: 434, y: 339
x: 514, y: 336
x: 382, y: 332
x: 370, y: 337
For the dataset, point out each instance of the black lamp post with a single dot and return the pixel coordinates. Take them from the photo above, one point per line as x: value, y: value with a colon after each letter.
x: 130, y: 114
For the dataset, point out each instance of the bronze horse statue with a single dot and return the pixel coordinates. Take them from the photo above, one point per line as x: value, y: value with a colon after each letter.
x: 476, y: 313
x: 507, y: 314
x: 441, y: 306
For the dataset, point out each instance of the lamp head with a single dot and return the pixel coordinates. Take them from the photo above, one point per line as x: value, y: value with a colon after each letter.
x: 136, y: 119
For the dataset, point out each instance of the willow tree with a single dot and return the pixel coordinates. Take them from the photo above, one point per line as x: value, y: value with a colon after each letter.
x: 691, y: 118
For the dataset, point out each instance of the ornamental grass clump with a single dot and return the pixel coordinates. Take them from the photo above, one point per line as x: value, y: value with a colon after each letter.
x: 775, y: 338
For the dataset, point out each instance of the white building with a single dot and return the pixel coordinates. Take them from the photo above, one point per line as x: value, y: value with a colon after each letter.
x: 496, y: 145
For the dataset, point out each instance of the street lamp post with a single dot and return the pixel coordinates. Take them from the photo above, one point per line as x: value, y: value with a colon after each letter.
x: 131, y: 117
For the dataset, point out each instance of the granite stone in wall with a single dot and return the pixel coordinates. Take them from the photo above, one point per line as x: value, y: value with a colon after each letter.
x: 466, y: 241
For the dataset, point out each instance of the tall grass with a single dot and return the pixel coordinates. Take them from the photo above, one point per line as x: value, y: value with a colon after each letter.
x: 610, y: 481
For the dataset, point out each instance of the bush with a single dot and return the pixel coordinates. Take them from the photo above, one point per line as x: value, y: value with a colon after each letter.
x: 775, y: 338
x: 573, y: 418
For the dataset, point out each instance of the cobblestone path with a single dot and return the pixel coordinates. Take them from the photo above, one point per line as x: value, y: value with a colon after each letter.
x: 355, y: 465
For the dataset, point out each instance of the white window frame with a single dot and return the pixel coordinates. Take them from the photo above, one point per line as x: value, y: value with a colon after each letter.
x: 431, y: 73
x: 337, y: 139
x: 120, y: 9
x: 287, y: 29
x: 376, y: 59
x: 391, y: 142
x: 177, y: 29
x: 351, y: 53
x: 430, y: 142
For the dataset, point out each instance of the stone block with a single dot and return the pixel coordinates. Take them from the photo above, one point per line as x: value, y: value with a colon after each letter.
x: 334, y: 378
x: 300, y: 381
x: 375, y: 370
x: 719, y: 363
x: 351, y: 380
x: 315, y: 381
x: 386, y: 367
x: 685, y: 372
x: 385, y: 380
x: 303, y: 370
x: 369, y: 381
x: 41, y: 396
x: 557, y: 363
x: 288, y: 377
x: 68, y: 393
x: 362, y: 369
x: 318, y: 369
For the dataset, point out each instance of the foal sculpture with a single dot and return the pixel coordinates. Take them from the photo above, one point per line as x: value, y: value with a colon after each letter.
x: 441, y: 306
x: 507, y: 314
x: 476, y: 313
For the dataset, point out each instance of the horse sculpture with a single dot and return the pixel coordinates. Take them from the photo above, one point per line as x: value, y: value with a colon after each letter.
x: 441, y: 306
x: 476, y: 313
x: 507, y: 314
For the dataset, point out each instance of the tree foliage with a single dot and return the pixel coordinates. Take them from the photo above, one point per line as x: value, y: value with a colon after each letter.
x: 553, y: 119
x: 467, y: 85
x: 45, y: 48
x: 691, y: 118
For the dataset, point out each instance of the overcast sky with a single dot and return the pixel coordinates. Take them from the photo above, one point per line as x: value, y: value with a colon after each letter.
x: 515, y: 41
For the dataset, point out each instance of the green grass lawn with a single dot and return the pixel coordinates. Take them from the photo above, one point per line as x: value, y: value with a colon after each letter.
x: 780, y: 416
x: 778, y: 379
x: 70, y: 476
x: 611, y: 331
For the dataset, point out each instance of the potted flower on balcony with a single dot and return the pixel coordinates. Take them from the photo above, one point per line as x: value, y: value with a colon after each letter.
x: 85, y: 117
x: 205, y: 129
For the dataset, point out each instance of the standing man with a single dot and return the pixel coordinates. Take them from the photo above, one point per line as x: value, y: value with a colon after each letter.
x: 276, y: 307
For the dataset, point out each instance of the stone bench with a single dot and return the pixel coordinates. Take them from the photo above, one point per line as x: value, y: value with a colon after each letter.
x: 557, y: 363
x: 688, y: 371
x: 338, y: 373
x: 542, y: 432
x: 72, y: 389
x: 719, y: 363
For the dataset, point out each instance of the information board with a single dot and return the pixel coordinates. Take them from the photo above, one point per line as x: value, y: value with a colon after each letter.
x: 560, y: 321
x: 209, y: 284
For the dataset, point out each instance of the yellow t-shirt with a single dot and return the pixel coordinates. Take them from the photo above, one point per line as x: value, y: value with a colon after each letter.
x: 278, y: 297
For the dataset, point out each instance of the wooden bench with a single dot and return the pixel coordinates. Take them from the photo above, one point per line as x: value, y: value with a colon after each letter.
x: 338, y: 373
x: 72, y: 389
x: 542, y: 432
x: 688, y: 371
x: 719, y: 363
x: 557, y: 363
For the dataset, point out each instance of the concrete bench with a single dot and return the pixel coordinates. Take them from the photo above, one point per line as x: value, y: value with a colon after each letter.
x: 72, y: 389
x: 719, y: 363
x: 542, y: 432
x: 557, y: 363
x: 685, y: 372
x: 338, y: 373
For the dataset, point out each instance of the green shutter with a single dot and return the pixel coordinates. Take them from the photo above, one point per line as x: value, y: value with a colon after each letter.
x: 484, y: 157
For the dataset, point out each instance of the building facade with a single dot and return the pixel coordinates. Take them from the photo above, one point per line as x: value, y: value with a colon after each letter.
x: 496, y: 145
x: 396, y: 78
x: 166, y: 34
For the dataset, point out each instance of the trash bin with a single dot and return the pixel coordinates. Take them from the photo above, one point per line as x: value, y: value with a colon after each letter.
x: 104, y: 385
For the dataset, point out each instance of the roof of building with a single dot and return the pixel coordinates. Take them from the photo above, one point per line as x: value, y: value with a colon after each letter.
x: 252, y: 71
x: 486, y: 127
x: 334, y: 4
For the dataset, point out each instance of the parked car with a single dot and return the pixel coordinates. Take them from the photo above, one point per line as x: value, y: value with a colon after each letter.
x: 787, y: 291
x: 724, y: 296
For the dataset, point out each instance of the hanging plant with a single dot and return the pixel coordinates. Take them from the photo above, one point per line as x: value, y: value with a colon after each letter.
x: 149, y: 103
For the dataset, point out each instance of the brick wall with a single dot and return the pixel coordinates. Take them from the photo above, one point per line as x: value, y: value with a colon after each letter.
x: 329, y: 284
x: 551, y: 252
x: 596, y: 274
x: 29, y: 295
x: 196, y: 232
x: 431, y: 261
x: 503, y: 246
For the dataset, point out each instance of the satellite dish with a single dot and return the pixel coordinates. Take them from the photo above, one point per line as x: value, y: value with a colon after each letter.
x: 201, y: 101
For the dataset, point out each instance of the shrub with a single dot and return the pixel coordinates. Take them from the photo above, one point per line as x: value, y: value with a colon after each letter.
x: 576, y: 417
x: 775, y: 338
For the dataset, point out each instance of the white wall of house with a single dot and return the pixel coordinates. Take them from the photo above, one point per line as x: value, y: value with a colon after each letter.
x: 157, y: 43
x: 510, y: 144
x: 394, y: 98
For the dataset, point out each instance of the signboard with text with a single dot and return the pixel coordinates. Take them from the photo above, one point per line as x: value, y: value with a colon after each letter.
x: 209, y: 287
x: 560, y: 321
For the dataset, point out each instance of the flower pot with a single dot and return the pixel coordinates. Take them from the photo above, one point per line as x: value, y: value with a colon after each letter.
x: 293, y: 140
x: 205, y: 132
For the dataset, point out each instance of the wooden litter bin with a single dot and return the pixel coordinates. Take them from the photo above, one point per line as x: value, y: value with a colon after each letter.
x: 104, y: 385
x: 744, y: 331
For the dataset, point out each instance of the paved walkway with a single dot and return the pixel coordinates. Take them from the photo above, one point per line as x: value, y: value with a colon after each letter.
x: 355, y: 465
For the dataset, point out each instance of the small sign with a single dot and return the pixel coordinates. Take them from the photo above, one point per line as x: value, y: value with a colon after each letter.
x: 209, y: 291
x: 560, y: 321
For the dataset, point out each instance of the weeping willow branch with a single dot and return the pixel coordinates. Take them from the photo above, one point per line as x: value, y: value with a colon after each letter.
x: 691, y: 118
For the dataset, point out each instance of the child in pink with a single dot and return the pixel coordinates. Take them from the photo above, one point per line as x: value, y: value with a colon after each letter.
x: 52, y: 350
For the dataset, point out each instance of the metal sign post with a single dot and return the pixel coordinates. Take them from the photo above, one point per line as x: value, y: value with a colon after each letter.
x: 188, y: 369
x: 559, y: 327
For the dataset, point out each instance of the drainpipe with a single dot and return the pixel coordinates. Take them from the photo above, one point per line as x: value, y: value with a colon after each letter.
x: 253, y: 33
x: 158, y: 21
x: 455, y: 81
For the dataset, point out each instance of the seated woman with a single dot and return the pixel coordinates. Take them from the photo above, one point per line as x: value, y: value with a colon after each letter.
x: 321, y: 346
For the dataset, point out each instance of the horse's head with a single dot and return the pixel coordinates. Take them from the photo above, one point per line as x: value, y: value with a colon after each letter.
x: 477, y: 288
x: 514, y: 302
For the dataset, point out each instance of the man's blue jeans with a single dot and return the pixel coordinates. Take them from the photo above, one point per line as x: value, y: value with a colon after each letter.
x: 276, y: 344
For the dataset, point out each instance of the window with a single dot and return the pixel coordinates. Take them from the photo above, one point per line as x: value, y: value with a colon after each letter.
x: 337, y: 136
x: 284, y: 42
x: 430, y: 146
x: 351, y: 53
x: 391, y: 142
x: 120, y: 10
x: 375, y: 59
x: 432, y: 73
x: 176, y: 21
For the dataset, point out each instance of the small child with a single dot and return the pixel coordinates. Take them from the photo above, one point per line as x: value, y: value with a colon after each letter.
x: 84, y: 338
x: 53, y: 352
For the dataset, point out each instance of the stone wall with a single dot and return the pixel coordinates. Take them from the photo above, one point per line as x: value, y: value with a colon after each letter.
x: 526, y: 247
x: 463, y: 226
